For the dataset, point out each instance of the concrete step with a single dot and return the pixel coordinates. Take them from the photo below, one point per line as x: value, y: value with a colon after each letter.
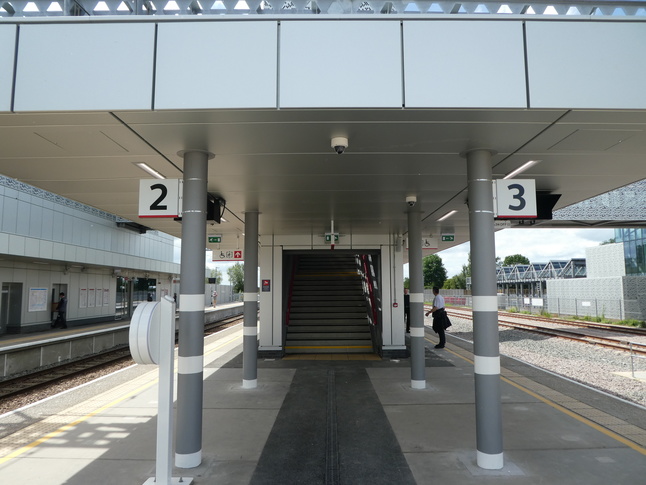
x: 329, y: 343
x: 329, y: 328
x: 357, y: 302
x: 323, y: 336
x: 299, y: 320
x: 339, y: 349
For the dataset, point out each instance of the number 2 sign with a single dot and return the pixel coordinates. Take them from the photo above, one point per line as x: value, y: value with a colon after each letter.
x: 515, y: 198
x: 160, y: 198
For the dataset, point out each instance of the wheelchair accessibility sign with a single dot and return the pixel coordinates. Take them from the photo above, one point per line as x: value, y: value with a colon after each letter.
x: 228, y: 255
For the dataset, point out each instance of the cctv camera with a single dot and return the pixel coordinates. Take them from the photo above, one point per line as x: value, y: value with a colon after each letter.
x: 339, y: 143
x: 411, y: 200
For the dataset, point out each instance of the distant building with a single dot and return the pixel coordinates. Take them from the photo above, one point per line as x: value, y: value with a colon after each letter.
x: 607, y: 291
x: 50, y: 244
x: 634, y: 244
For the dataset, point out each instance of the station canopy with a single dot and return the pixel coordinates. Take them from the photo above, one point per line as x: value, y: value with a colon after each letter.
x: 281, y: 163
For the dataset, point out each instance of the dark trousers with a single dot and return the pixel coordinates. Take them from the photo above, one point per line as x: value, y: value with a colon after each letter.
x: 441, y: 334
x: 407, y: 319
x: 61, y: 320
x: 438, y: 326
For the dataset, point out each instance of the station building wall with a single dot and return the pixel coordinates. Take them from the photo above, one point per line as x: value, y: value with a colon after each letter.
x: 47, y: 240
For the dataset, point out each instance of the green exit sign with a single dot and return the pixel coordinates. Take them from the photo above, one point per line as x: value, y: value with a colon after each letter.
x: 328, y: 237
x: 215, y: 239
x: 448, y: 237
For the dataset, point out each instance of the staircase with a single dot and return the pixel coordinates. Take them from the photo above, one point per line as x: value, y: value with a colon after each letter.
x: 328, y: 312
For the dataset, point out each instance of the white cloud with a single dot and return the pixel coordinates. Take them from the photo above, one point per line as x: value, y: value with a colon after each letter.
x: 538, y: 245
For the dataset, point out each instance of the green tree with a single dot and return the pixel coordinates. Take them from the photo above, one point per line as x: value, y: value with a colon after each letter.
x: 515, y: 259
x: 434, y: 271
x: 407, y: 283
x: 612, y: 240
x: 236, y: 277
x: 452, y: 283
x: 217, y: 274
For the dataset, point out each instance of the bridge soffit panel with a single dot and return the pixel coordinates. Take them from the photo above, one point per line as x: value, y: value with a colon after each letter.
x: 363, y: 66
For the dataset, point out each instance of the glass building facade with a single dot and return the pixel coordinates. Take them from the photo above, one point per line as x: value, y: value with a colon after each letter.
x: 634, y: 250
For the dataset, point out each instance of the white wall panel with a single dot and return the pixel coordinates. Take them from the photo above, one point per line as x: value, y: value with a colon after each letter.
x: 46, y: 249
x: 594, y: 65
x: 340, y: 64
x: 16, y: 245
x: 216, y: 65
x: 66, y: 67
x: 7, y: 53
x: 9, y: 214
x: 464, y: 64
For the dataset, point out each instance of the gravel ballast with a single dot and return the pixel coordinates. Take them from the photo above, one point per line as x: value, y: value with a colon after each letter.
x: 591, y: 365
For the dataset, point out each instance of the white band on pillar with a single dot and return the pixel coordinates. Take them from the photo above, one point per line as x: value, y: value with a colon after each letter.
x: 417, y: 297
x: 190, y: 365
x: 418, y: 384
x: 486, y: 366
x: 251, y: 297
x: 489, y: 462
x: 249, y: 383
x: 250, y: 331
x: 190, y: 460
x: 485, y: 303
x: 191, y: 303
x: 417, y: 332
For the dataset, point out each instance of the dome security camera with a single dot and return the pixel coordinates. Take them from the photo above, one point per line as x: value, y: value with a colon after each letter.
x: 411, y: 200
x: 339, y: 143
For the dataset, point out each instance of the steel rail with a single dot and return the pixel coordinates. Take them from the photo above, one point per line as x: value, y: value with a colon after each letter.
x: 46, y: 377
x: 612, y: 343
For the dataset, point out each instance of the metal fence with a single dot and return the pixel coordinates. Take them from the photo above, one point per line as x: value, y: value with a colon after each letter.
x: 577, y: 307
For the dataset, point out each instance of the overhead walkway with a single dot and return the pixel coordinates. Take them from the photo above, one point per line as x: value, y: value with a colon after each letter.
x: 328, y: 311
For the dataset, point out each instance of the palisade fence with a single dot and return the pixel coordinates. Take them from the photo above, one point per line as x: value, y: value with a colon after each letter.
x: 578, y: 307
x: 225, y: 294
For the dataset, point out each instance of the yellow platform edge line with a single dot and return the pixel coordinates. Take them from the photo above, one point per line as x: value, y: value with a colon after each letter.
x: 558, y: 407
x: 330, y: 347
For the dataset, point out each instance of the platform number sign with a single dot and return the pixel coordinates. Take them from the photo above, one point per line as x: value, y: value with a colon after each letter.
x: 160, y: 198
x: 515, y: 198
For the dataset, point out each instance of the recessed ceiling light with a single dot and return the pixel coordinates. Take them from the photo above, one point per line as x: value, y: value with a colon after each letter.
x: 149, y: 170
x: 520, y: 169
x: 447, y: 215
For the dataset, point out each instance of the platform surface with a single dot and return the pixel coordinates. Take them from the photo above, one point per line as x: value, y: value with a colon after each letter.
x: 320, y: 421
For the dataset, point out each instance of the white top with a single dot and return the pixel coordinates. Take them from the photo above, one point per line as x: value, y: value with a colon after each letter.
x: 438, y: 301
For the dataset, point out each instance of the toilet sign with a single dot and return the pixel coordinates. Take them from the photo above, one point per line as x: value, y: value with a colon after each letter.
x: 160, y: 198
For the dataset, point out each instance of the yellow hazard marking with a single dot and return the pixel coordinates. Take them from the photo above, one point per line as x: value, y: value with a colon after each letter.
x: 69, y: 426
x: 328, y: 347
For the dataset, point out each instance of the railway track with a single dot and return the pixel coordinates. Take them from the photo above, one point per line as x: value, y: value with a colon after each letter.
x: 609, y: 336
x: 44, y: 378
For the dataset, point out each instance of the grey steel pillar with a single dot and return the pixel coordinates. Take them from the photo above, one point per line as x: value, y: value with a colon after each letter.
x: 415, y: 273
x: 250, y: 325
x: 485, y: 311
x: 188, y: 444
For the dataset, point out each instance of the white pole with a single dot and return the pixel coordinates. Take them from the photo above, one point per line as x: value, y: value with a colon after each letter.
x: 164, y: 457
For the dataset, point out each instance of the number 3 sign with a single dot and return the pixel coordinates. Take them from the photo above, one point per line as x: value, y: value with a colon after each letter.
x: 160, y: 198
x: 515, y: 198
